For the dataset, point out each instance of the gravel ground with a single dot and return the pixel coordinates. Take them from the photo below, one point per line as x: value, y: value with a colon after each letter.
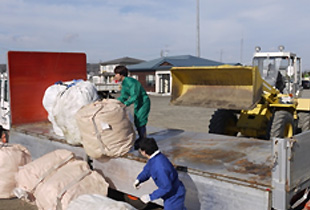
x: 165, y: 115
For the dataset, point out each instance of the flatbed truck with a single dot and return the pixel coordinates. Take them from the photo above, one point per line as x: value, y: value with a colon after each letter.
x: 218, y: 171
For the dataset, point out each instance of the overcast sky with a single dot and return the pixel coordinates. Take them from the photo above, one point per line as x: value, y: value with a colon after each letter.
x: 111, y: 29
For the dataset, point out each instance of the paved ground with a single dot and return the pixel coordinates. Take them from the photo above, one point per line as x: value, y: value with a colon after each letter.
x: 306, y: 93
x: 178, y: 117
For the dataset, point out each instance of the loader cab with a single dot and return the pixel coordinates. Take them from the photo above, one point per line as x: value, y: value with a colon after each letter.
x: 280, y: 69
x: 4, y: 107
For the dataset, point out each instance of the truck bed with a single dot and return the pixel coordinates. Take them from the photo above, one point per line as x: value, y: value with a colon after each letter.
x: 242, y: 159
x: 210, y: 166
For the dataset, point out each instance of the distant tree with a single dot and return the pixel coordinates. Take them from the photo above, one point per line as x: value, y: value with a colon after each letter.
x: 306, y: 74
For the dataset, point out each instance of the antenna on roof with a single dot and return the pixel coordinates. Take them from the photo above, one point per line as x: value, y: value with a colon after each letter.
x: 161, y: 53
x: 164, y: 53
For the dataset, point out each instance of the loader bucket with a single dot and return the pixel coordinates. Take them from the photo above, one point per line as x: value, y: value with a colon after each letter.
x: 226, y: 87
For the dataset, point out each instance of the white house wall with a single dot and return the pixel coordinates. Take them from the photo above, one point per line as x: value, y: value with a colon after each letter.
x: 108, y: 68
x: 157, y: 79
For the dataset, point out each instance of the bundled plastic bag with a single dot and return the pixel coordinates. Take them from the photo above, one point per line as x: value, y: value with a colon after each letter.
x: 32, y: 174
x: 97, y: 202
x: 12, y: 156
x: 56, y: 178
x: 105, y: 128
x: 71, y: 180
x: 63, y: 107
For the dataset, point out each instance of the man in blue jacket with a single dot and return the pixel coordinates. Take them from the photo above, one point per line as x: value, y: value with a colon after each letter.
x: 170, y: 188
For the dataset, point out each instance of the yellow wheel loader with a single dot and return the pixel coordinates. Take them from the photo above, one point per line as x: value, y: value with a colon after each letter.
x: 261, y: 101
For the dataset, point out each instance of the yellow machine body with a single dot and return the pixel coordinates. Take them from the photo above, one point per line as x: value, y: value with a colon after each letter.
x: 233, y: 88
x: 303, y: 104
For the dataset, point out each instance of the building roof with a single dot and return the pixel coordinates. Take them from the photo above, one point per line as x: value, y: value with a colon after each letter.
x: 123, y: 61
x: 2, y: 68
x: 165, y: 63
x: 92, y: 67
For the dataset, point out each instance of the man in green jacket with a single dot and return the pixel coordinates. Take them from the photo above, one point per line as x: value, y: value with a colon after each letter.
x: 133, y: 93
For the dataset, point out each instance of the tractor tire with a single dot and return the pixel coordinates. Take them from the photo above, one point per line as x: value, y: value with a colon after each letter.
x: 223, y: 122
x: 282, y: 125
x: 304, y: 121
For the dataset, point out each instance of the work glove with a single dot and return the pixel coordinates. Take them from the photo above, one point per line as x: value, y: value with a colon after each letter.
x: 145, y: 198
x: 136, y: 184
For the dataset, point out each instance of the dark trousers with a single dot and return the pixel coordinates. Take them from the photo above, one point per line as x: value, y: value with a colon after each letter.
x: 141, y: 132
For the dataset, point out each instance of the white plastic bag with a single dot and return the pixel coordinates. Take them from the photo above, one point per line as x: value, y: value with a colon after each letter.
x: 49, y: 100
x: 62, y: 101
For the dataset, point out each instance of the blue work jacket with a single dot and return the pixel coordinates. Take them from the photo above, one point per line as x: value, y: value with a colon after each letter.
x: 170, y: 188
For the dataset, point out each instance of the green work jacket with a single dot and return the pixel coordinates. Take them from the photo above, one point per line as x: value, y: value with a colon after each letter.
x: 133, y: 93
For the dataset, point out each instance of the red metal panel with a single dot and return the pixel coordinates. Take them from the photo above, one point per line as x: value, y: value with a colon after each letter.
x: 31, y: 73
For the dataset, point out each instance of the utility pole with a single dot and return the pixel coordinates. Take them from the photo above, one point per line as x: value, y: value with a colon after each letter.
x: 221, y: 55
x: 241, y: 50
x: 198, y: 31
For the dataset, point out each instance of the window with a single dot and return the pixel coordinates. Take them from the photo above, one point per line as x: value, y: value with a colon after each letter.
x: 150, y: 80
x: 135, y: 77
x: 0, y: 87
x: 110, y: 68
x: 6, y: 91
